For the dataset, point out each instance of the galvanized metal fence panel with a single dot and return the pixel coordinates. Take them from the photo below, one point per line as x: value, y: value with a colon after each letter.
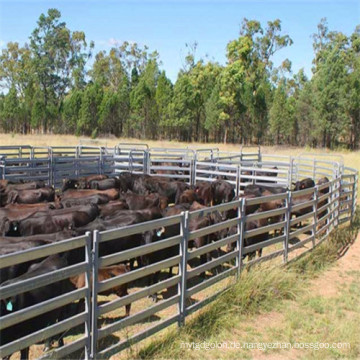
x: 207, y: 155
x: 15, y: 151
x: 153, y: 265
x: 26, y: 168
x: 30, y: 312
x: 173, y: 163
x: 132, y: 160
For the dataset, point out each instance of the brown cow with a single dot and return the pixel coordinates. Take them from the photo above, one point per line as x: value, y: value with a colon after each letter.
x: 205, y: 193
x: 112, y: 206
x: 139, y: 202
x: 104, y: 274
x: 187, y: 196
x: 97, y: 199
x: 36, y: 206
x: 112, y: 194
x: 32, y: 196
x: 26, y: 186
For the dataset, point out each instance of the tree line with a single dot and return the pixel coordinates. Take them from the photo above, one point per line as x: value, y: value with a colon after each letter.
x: 49, y: 87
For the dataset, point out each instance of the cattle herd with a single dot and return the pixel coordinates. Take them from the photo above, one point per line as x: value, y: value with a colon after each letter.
x: 32, y: 215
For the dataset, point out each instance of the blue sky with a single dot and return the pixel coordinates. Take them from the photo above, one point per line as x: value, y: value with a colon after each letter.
x: 166, y: 26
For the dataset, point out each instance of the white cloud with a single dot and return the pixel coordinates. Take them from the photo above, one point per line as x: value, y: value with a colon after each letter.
x: 114, y: 42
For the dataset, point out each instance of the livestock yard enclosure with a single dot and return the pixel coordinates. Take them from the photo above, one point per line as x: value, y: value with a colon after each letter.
x: 151, y: 231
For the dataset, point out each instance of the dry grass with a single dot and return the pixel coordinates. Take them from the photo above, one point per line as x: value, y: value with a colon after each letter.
x: 351, y: 158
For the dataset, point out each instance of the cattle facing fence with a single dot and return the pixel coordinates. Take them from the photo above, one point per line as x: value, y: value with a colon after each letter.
x: 186, y: 266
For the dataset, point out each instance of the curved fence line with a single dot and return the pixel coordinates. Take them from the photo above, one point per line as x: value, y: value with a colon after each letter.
x: 319, y: 211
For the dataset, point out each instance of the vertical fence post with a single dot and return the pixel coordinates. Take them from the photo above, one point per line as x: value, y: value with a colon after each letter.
x: 2, y: 167
x: 101, y: 166
x: 94, y: 305
x: 192, y: 171
x: 147, y: 168
x: 184, y: 232
x: 315, y: 208
x: 314, y: 169
x: 297, y: 168
x: 290, y: 173
x: 332, y: 209
x: 241, y: 232
x: 354, y: 195
x: 337, y: 202
x: 88, y: 260
x: 32, y: 164
x: 287, y: 228
x: 237, y: 189
x: 77, y: 156
x: 51, y: 165
x: 53, y: 168
x: 259, y: 154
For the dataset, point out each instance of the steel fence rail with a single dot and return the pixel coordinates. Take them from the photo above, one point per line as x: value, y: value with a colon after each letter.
x: 49, y: 305
x: 319, y: 211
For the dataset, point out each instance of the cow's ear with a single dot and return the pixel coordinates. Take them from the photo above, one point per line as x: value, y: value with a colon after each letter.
x: 12, y: 197
x: 6, y: 226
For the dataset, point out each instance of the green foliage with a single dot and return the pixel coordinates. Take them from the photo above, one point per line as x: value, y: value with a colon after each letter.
x: 90, y: 109
x: 10, y: 112
x: 281, y: 113
x: 71, y: 111
x: 48, y: 86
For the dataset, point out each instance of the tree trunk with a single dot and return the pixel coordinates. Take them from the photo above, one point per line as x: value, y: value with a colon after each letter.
x: 225, y: 135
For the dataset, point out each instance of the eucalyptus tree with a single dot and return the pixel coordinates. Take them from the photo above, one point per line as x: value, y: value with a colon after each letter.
x: 58, y: 61
x: 163, y: 98
x: 144, y: 112
x: 334, y: 65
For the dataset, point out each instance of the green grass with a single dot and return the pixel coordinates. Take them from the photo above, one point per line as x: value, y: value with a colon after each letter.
x: 285, y: 292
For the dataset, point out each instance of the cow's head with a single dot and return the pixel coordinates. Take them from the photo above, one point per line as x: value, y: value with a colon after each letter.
x: 70, y: 184
x: 11, y: 228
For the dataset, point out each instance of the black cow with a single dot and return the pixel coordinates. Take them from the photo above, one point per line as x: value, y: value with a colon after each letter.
x: 33, y: 297
x: 81, y: 183
x: 223, y: 191
x: 104, y: 184
x: 48, y: 223
x: 138, y: 202
x: 304, y: 184
x: 251, y: 225
x: 15, y: 244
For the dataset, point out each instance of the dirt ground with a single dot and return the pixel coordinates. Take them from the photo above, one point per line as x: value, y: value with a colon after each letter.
x: 328, y: 285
